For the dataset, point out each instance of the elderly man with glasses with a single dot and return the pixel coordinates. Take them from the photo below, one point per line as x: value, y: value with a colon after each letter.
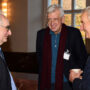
x: 6, y: 79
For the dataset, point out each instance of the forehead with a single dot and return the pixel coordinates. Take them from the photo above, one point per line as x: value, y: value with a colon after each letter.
x: 55, y: 13
x: 84, y: 15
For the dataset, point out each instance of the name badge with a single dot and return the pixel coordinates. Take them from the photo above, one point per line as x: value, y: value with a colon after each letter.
x: 66, y: 55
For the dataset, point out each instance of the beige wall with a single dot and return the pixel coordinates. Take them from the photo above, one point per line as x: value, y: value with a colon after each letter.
x: 35, y: 13
x: 25, y: 17
x: 17, y: 14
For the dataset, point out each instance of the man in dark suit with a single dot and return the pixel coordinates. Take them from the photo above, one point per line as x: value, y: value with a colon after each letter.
x: 84, y: 82
x: 6, y: 80
x: 59, y: 49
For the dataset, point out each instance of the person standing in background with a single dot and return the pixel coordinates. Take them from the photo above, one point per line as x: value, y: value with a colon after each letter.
x: 84, y: 82
x: 59, y: 48
x: 6, y: 80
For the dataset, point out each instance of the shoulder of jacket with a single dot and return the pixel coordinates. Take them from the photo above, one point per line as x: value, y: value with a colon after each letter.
x: 41, y: 30
x: 73, y: 29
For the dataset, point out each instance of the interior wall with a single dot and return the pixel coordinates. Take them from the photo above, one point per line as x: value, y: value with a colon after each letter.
x: 26, y: 19
x: 17, y: 14
x: 35, y: 14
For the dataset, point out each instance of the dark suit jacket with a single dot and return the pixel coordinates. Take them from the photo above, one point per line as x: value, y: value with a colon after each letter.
x: 5, y: 82
x: 83, y: 84
x: 75, y: 46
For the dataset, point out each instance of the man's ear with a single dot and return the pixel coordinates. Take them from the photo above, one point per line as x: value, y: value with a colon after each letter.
x: 63, y: 19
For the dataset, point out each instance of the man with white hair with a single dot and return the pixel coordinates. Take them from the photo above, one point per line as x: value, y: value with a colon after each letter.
x: 59, y: 49
x: 6, y: 80
x: 84, y: 82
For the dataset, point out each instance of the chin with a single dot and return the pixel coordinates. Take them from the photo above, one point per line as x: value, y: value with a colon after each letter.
x: 54, y: 30
x: 5, y: 41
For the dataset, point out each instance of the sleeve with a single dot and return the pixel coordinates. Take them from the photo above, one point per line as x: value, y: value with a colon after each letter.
x: 79, y: 50
x: 76, y: 84
x: 5, y: 83
x: 39, y: 45
x: 85, y: 84
x: 39, y: 48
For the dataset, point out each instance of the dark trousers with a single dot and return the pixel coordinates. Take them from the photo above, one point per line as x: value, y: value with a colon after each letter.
x: 66, y: 86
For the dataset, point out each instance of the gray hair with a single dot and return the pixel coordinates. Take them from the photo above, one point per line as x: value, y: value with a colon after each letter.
x: 54, y: 7
x: 87, y: 10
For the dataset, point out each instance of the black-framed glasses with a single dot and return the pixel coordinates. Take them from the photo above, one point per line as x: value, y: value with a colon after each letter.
x: 7, y: 27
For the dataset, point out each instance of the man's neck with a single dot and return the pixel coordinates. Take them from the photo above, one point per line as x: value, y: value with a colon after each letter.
x: 58, y: 31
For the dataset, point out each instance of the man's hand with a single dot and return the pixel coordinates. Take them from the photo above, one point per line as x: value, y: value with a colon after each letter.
x: 73, y: 75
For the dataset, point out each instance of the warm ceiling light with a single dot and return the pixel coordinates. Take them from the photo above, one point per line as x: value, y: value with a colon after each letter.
x: 4, y: 4
x: 4, y: 7
x: 4, y: 10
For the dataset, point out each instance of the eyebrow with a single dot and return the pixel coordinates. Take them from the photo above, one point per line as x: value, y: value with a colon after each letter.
x: 8, y: 27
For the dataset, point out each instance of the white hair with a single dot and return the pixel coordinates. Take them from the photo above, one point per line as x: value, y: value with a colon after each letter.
x: 55, y: 7
x: 87, y: 10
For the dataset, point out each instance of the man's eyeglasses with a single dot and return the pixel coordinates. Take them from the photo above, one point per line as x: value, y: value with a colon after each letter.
x: 53, y: 20
x: 7, y: 27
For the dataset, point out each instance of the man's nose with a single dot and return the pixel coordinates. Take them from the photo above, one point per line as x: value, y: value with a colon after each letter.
x: 52, y: 22
x: 9, y: 33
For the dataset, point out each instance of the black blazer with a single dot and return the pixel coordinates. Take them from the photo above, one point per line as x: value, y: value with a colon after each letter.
x: 75, y: 46
x: 5, y: 82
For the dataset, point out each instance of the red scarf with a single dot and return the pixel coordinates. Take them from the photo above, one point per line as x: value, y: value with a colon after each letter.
x: 45, y: 83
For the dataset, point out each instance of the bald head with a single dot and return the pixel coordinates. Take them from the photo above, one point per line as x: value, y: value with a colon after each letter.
x: 87, y: 11
x: 2, y: 18
x: 85, y: 21
x: 4, y: 29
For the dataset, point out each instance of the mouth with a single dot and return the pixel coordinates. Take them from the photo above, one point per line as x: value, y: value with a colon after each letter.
x: 53, y: 27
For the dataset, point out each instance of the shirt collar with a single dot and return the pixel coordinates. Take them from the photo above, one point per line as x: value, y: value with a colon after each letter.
x: 0, y: 49
x: 52, y: 33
